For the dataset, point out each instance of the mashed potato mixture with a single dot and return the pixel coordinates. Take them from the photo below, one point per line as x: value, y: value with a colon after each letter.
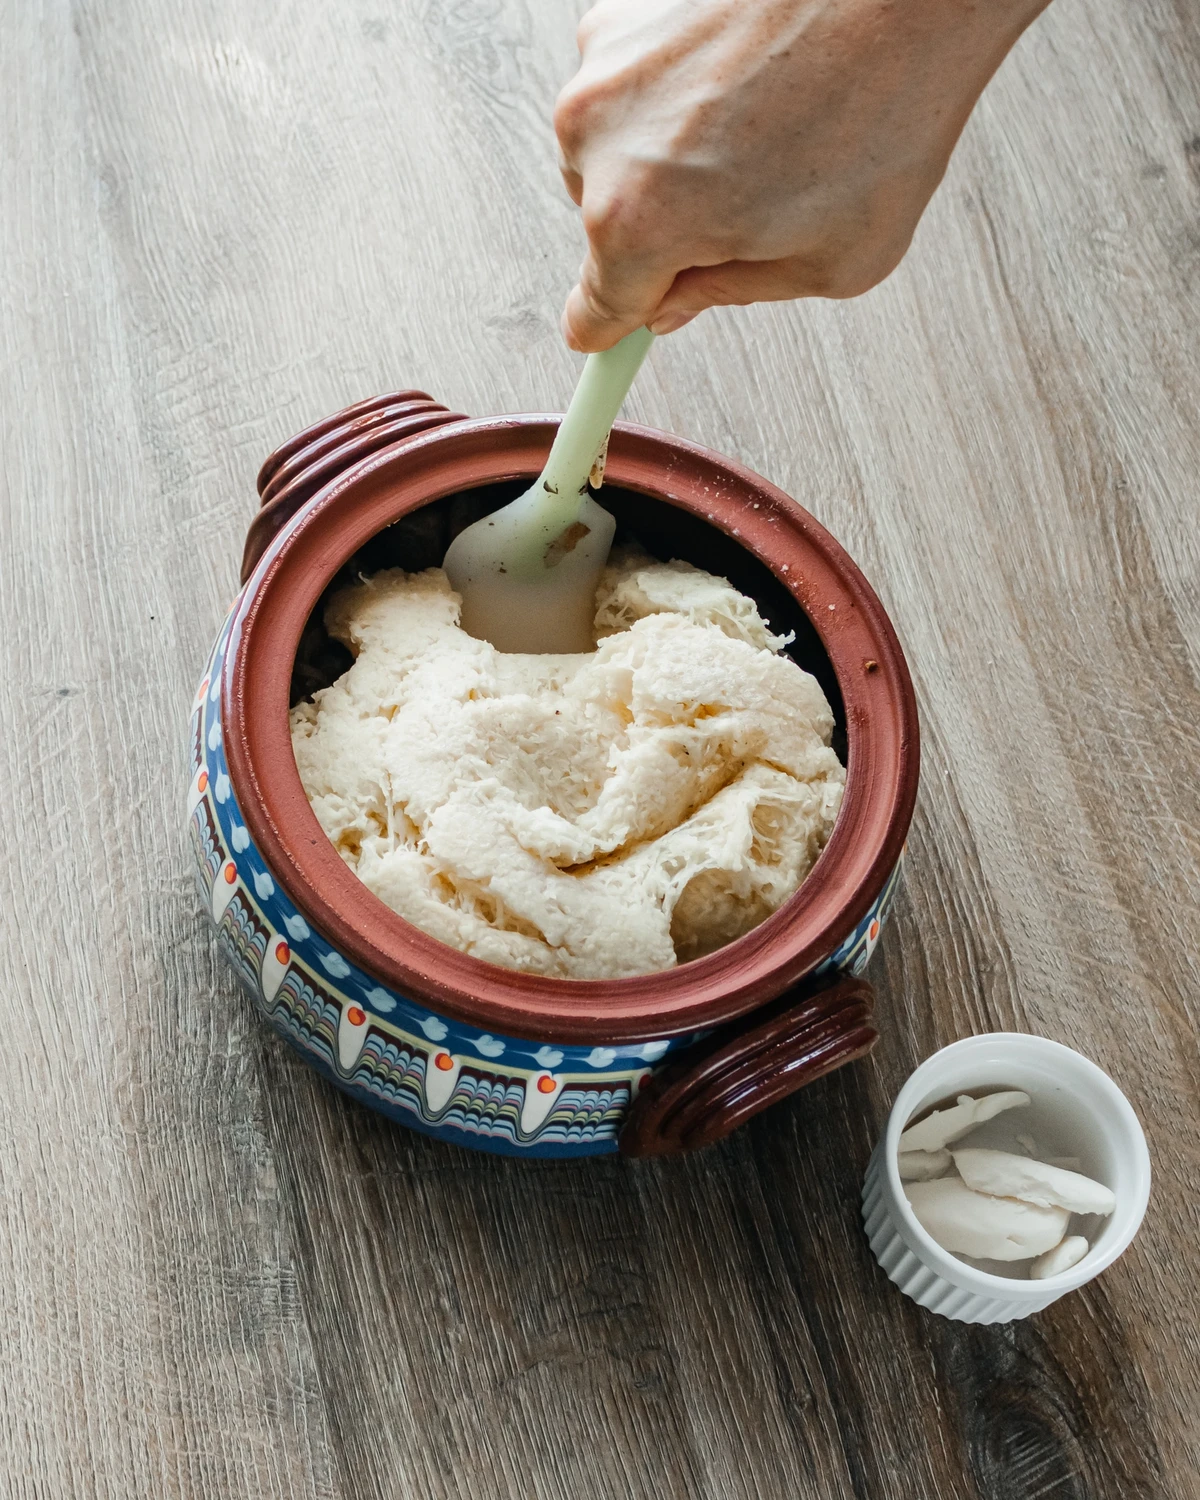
x: 586, y: 817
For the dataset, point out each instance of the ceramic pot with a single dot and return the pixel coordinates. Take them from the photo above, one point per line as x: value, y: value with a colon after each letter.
x: 447, y: 1044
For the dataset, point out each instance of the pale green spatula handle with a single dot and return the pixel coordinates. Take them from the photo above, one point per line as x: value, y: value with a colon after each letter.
x: 602, y: 388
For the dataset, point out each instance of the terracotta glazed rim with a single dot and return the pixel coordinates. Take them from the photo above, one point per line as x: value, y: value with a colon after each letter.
x: 880, y: 716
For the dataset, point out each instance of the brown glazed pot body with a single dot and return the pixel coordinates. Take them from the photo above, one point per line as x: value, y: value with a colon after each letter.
x: 315, y: 524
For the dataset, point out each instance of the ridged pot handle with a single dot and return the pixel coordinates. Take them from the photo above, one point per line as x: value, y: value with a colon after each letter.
x: 724, y: 1080
x: 304, y: 464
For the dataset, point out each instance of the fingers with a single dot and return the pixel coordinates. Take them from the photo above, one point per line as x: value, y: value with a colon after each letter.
x: 590, y: 322
x: 737, y: 283
x: 734, y: 283
x: 615, y: 294
x: 661, y: 323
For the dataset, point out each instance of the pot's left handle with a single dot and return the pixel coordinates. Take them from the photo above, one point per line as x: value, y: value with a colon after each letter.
x: 723, y: 1081
x: 300, y: 467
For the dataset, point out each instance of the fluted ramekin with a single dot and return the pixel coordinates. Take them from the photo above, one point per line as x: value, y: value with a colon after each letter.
x: 1089, y: 1117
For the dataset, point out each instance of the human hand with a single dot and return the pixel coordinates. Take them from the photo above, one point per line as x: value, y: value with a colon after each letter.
x: 735, y: 151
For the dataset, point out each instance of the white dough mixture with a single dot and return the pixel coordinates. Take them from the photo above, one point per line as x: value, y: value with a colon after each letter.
x: 589, y: 816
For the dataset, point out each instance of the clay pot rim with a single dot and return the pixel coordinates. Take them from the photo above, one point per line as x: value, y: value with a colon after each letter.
x: 880, y: 715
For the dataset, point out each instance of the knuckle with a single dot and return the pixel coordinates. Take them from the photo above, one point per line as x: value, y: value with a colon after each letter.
x: 586, y: 29
x: 608, y: 220
x: 625, y: 210
x: 572, y: 111
x: 583, y: 110
x: 593, y: 21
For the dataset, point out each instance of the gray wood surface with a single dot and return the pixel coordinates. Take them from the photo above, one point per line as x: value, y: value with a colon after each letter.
x: 221, y: 221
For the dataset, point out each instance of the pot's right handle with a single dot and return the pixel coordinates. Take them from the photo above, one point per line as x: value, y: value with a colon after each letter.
x: 720, y: 1083
x: 304, y: 464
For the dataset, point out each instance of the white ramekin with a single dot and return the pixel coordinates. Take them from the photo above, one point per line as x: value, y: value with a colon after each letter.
x: 1076, y: 1102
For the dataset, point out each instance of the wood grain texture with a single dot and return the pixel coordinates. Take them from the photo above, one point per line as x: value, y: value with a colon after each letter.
x: 222, y: 221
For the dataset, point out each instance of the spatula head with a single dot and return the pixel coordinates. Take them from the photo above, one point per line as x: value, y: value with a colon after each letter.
x: 528, y: 584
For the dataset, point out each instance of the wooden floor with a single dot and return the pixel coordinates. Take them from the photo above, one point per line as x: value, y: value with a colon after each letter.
x: 221, y: 221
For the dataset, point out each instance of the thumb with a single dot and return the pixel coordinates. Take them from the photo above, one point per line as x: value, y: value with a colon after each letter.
x: 614, y: 295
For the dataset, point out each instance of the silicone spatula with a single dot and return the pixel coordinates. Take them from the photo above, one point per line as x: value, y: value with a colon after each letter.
x: 528, y: 572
